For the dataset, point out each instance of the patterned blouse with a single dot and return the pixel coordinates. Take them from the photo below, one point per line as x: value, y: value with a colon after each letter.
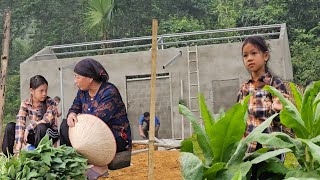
x: 34, y: 115
x: 108, y: 106
x: 261, y: 103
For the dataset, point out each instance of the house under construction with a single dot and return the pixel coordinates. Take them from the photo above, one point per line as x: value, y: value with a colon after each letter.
x: 209, y: 62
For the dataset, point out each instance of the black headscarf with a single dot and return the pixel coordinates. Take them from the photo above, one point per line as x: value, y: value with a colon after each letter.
x: 91, y: 68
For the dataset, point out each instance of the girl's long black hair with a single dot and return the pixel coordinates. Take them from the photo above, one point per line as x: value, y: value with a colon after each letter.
x: 35, y: 82
x: 260, y: 43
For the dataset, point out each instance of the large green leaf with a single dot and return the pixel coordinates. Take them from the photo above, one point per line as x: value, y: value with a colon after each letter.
x: 212, y: 171
x: 298, y: 148
x: 271, y: 140
x: 315, y: 139
x: 269, y: 155
x: 289, y: 119
x: 238, y: 155
x: 32, y: 174
x: 206, y: 117
x: 290, y: 116
x: 302, y: 175
x: 273, y: 165
x: 186, y: 145
x: 197, y: 149
x: 314, y: 149
x: 291, y: 161
x: 307, y: 108
x: 231, y: 171
x: 202, y: 138
x: 228, y: 131
x: 191, y: 166
x: 238, y: 176
x: 316, y: 123
x: 46, y: 157
x: 11, y: 171
x: 25, y: 171
x: 259, y: 129
x: 45, y: 141
x: 296, y: 95
x: 284, y: 101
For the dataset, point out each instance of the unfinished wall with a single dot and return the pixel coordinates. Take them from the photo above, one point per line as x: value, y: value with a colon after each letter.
x: 221, y: 73
x: 138, y: 102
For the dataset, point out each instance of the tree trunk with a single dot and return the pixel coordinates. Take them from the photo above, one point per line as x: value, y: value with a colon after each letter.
x: 4, y: 65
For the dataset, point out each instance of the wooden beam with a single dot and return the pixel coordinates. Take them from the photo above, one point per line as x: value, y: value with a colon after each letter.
x: 4, y: 65
x: 152, y: 99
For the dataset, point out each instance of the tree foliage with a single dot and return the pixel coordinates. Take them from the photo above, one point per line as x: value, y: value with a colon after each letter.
x: 99, y: 16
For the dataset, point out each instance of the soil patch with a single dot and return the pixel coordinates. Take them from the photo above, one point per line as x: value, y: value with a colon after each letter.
x: 167, y: 166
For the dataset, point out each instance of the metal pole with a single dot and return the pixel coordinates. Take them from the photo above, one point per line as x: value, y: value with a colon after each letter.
x: 161, y: 41
x: 182, y: 118
x: 172, y: 60
x: 152, y: 99
x: 61, y: 92
x: 189, y: 89
x: 171, y: 105
x: 61, y: 88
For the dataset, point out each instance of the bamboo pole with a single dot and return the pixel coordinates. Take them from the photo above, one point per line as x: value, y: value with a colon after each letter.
x: 152, y: 99
x: 4, y: 64
x: 139, y: 151
x: 159, y: 144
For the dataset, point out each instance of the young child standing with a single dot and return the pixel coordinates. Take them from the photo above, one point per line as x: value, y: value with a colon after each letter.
x: 262, y: 104
x: 57, y: 101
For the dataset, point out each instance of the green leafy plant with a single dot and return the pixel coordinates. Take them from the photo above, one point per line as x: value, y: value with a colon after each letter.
x: 217, y: 151
x: 45, y: 162
x: 3, y: 160
x: 304, y: 119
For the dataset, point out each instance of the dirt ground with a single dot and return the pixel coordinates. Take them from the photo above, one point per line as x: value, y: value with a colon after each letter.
x: 167, y: 166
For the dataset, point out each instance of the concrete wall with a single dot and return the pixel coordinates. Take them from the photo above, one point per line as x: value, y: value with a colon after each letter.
x: 221, y: 74
x: 138, y: 102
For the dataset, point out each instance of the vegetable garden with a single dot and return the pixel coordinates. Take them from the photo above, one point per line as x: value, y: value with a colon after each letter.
x: 215, y: 151
x: 218, y: 151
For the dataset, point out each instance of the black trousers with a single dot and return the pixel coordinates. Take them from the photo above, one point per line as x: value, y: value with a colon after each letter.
x: 33, y: 138
x: 145, y: 129
x: 64, y: 137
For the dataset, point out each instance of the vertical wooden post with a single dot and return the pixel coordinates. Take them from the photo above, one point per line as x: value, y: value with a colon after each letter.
x: 4, y: 64
x: 152, y: 99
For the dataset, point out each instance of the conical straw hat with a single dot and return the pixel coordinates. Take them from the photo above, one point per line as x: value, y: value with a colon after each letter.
x: 92, y: 138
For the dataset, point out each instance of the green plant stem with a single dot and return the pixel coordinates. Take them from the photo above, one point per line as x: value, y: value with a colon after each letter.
x: 306, y: 165
x: 311, y: 163
x: 307, y: 159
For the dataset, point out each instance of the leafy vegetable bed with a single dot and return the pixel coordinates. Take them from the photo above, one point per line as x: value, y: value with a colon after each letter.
x: 45, y: 162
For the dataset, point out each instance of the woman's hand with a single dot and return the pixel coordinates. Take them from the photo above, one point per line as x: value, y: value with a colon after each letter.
x: 18, y: 148
x: 277, y: 104
x: 72, y: 119
x: 25, y: 137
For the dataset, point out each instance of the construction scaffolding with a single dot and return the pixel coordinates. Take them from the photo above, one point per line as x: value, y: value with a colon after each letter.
x: 165, y: 41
